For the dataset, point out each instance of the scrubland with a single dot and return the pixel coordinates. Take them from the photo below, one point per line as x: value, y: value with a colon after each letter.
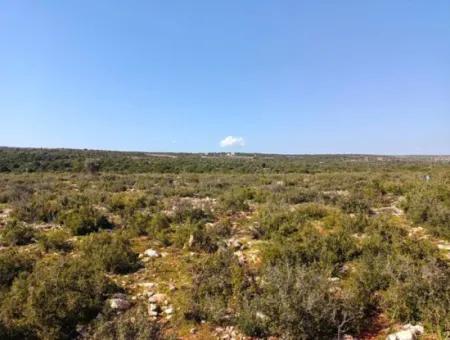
x: 97, y: 245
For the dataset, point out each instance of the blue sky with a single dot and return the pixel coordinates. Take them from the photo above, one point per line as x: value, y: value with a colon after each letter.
x: 278, y: 76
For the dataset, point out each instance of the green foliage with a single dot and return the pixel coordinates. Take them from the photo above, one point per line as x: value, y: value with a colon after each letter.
x: 330, y: 251
x: 111, y: 252
x: 419, y: 293
x: 55, y: 240
x: 355, y: 203
x: 16, y: 233
x: 12, y: 263
x: 236, y: 200
x: 57, y: 296
x: 92, y: 166
x: 84, y: 221
x: 282, y: 222
x: 133, y: 324
x: 301, y: 302
x: 215, y: 281
x: 430, y: 206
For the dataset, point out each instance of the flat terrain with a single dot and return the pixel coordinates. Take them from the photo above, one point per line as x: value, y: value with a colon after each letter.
x: 106, y: 245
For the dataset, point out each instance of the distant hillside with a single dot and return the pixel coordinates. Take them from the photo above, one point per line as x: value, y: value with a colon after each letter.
x: 72, y: 160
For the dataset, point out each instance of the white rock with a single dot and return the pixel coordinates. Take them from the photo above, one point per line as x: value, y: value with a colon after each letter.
x: 158, y: 298
x: 444, y: 246
x: 169, y: 310
x: 119, y: 304
x: 153, y: 309
x: 409, y: 332
x: 152, y: 306
x: 147, y: 285
x: 261, y: 316
x: 191, y: 241
x: 151, y: 253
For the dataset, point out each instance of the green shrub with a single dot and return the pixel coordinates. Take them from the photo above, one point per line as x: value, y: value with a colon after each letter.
x: 203, y: 240
x: 431, y: 207
x: 301, y: 303
x: 16, y: 233
x: 127, y: 203
x: 111, y: 251
x: 158, y: 223
x: 40, y: 208
x: 133, y: 324
x: 55, y: 240
x: 84, y: 221
x: 236, y: 200
x: 139, y: 224
x: 419, y: 293
x: 356, y: 203
x: 57, y: 296
x: 12, y: 263
x: 215, y: 281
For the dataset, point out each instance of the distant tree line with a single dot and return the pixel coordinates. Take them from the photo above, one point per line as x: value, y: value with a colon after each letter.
x: 62, y: 160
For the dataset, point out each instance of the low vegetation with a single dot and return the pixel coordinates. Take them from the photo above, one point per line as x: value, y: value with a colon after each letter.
x: 106, y: 245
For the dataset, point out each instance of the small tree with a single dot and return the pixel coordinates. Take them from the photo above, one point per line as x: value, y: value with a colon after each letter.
x: 92, y: 166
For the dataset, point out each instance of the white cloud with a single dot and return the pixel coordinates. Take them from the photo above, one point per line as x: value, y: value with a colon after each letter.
x: 232, y: 141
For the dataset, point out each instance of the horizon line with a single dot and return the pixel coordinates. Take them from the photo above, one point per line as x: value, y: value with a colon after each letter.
x: 227, y: 152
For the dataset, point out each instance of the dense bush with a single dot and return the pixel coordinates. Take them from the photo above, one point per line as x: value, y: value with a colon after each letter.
x: 84, y: 221
x: 55, y: 240
x: 355, y: 203
x: 430, y: 206
x: 57, y: 296
x: 215, y: 281
x: 236, y: 200
x: 40, y: 208
x: 300, y: 247
x: 12, y: 263
x: 16, y: 233
x: 419, y: 293
x: 111, y: 252
x: 133, y: 324
x: 301, y: 302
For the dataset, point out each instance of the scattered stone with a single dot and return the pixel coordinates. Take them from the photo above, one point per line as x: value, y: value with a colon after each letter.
x: 158, y: 298
x: 344, y: 269
x: 153, y: 309
x: 169, y: 310
x: 235, y: 244
x: 261, y: 316
x: 119, y: 303
x: 409, y: 332
x: 240, y: 256
x: 191, y: 241
x: 151, y: 253
x: 120, y: 296
x: 147, y: 285
x: 444, y: 246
